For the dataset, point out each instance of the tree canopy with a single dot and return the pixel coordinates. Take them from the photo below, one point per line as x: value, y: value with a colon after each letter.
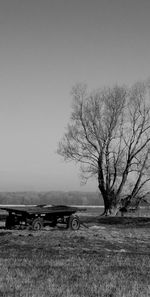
x: 109, y: 136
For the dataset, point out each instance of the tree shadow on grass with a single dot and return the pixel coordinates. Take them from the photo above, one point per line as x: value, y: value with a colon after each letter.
x: 124, y: 222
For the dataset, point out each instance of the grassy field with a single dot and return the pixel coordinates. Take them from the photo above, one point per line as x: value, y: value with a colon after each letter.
x: 106, y: 257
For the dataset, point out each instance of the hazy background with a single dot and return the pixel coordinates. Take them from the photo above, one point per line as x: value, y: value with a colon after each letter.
x: 46, y: 46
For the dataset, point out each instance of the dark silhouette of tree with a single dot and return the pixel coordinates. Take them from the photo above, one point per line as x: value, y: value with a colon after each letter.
x: 109, y: 135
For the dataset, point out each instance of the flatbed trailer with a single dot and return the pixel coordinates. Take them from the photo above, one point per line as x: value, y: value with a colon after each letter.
x: 36, y: 217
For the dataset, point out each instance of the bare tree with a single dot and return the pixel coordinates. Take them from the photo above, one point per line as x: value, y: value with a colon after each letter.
x: 109, y: 135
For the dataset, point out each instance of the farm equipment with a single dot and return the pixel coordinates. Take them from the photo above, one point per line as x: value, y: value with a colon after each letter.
x: 36, y: 217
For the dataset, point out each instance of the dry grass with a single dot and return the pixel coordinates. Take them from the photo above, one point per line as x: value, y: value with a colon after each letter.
x: 105, y: 259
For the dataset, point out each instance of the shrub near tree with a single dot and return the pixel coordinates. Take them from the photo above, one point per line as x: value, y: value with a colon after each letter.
x: 109, y: 136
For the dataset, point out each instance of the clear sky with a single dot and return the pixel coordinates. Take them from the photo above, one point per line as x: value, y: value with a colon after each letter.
x: 46, y: 46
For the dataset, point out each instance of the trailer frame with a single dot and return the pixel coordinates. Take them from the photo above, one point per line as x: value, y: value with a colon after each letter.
x: 37, y: 217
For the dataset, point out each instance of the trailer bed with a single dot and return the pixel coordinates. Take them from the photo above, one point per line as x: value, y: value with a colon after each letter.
x: 38, y: 216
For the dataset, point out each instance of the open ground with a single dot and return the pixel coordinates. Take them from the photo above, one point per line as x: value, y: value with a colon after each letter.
x: 106, y: 257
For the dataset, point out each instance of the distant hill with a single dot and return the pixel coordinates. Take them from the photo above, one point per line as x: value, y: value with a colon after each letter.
x: 56, y: 197
x: 51, y: 197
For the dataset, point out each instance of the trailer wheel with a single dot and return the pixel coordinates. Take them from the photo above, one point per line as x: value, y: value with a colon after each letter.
x: 73, y: 223
x: 37, y: 224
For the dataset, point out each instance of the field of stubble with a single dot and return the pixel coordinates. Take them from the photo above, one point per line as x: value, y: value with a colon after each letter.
x: 106, y: 257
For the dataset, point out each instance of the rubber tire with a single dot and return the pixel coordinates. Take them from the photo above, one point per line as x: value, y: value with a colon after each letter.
x: 37, y: 224
x: 73, y: 223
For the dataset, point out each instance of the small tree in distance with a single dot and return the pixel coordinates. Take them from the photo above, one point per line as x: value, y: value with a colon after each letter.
x: 109, y: 136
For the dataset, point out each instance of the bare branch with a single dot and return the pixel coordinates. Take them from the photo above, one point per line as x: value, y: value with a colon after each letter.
x: 109, y: 135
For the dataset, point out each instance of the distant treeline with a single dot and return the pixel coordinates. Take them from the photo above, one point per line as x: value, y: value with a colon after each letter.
x: 51, y: 197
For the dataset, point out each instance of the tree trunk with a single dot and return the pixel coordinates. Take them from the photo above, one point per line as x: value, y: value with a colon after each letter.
x: 111, y: 204
x: 111, y: 201
x: 110, y: 209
